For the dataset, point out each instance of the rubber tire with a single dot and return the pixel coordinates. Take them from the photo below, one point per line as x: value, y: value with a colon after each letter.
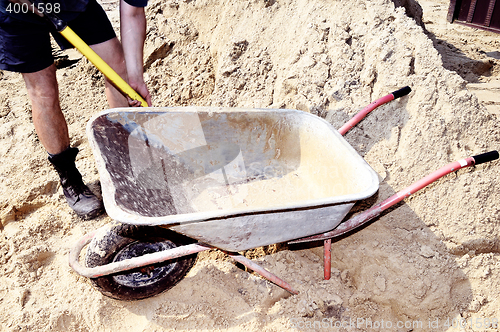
x: 115, y: 240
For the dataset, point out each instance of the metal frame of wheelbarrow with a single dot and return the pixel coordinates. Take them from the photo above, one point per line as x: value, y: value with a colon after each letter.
x: 376, y: 210
x: 343, y: 228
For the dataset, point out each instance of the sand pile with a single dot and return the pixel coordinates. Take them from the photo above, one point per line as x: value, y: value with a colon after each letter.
x: 433, y: 259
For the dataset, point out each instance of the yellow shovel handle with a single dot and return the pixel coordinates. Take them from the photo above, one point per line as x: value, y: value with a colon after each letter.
x: 89, y: 53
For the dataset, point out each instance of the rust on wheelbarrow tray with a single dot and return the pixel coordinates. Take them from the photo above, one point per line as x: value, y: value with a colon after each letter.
x: 232, y: 178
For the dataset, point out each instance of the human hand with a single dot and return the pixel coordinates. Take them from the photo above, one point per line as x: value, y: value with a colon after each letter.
x: 142, y: 90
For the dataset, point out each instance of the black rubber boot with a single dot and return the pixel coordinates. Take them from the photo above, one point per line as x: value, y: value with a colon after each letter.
x: 78, y: 195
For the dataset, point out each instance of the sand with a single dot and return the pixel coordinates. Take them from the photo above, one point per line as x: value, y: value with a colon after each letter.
x: 431, y: 261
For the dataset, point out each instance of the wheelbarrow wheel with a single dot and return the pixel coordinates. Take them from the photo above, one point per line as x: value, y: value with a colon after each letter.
x: 116, y: 242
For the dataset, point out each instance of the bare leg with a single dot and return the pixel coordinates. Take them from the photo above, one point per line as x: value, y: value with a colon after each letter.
x: 52, y: 131
x: 48, y: 119
x: 112, y: 53
x: 43, y: 91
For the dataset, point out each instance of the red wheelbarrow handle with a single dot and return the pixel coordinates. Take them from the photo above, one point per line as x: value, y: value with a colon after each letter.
x: 361, y: 114
x: 376, y: 210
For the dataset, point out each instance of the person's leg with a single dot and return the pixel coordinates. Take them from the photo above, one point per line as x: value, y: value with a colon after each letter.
x: 112, y: 53
x: 48, y: 118
x: 25, y: 48
x: 52, y: 131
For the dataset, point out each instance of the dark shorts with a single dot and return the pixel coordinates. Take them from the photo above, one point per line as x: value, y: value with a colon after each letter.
x: 25, y: 47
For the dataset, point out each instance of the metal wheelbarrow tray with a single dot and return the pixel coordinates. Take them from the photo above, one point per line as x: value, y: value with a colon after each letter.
x: 232, y: 178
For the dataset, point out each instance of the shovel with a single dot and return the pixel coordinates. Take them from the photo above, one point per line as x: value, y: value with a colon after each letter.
x: 63, y: 28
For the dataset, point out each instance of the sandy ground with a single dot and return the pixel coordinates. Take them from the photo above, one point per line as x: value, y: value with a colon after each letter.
x: 426, y: 265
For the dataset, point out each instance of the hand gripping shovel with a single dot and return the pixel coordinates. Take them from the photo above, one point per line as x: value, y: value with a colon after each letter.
x: 63, y: 28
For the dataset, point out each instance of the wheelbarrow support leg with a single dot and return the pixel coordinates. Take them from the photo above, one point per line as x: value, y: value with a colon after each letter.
x: 263, y: 272
x: 327, y: 259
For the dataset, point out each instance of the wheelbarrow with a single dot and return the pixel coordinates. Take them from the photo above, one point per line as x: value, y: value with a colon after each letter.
x: 182, y: 180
